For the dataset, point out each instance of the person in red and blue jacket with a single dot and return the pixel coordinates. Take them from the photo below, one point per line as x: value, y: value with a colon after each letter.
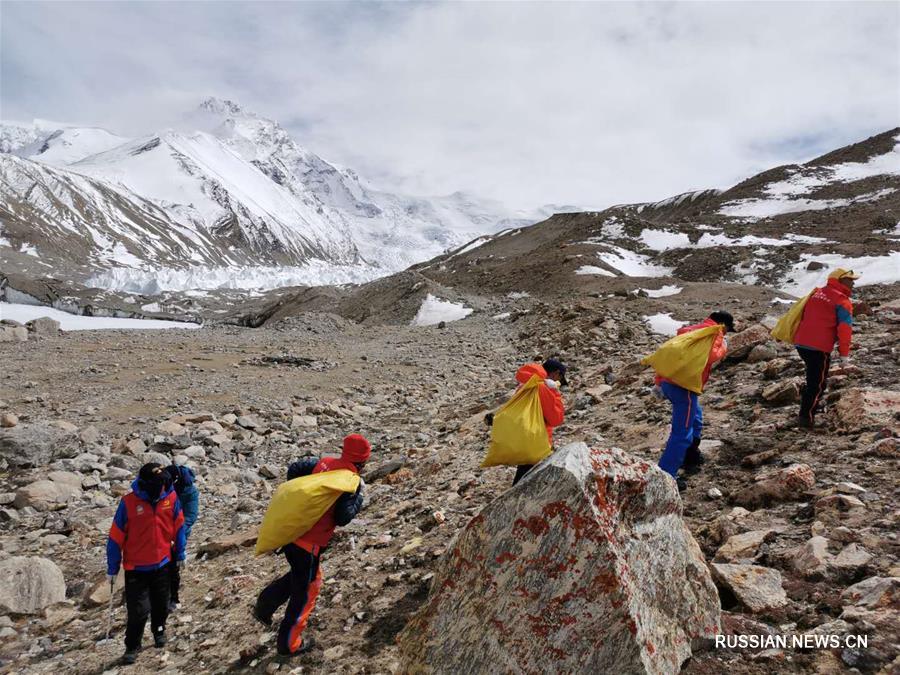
x: 683, y: 446
x: 147, y: 533
x: 299, y: 588
x: 827, y: 319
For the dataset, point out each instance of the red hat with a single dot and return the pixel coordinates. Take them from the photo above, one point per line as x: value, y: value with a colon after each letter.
x: 356, y: 449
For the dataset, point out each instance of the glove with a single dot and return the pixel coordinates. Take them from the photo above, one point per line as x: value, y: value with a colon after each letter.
x: 111, y: 578
x: 553, y: 384
x: 658, y: 393
x: 181, y: 564
x: 844, y: 361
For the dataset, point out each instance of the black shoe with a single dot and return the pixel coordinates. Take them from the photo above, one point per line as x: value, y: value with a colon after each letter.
x: 305, y: 646
x: 159, y: 640
x: 173, y: 606
x: 681, y: 483
x: 264, y: 620
x: 804, y: 422
x: 130, y: 656
x: 694, y: 466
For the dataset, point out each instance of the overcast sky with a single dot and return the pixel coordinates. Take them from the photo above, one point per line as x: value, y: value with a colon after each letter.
x: 567, y: 103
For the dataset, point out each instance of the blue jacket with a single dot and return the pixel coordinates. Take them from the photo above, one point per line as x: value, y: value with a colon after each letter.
x: 150, y: 540
x: 347, y: 505
x: 188, y: 494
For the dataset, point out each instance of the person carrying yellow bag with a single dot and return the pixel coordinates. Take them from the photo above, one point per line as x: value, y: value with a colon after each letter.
x: 682, y: 367
x: 299, y: 588
x: 522, y: 430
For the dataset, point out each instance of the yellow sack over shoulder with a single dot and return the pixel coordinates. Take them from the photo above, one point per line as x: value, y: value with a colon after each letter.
x: 298, y: 504
x: 682, y: 359
x: 518, y: 434
x: 787, y: 325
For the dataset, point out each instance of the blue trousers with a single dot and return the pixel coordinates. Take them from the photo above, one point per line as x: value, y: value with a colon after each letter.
x: 687, y: 426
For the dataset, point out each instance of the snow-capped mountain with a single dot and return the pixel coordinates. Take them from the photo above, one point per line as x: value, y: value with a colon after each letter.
x: 238, y: 191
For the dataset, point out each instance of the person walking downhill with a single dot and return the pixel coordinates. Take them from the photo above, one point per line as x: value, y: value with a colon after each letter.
x: 683, y: 446
x: 146, y: 538
x: 181, y: 478
x: 827, y: 319
x: 300, y: 586
x: 553, y: 372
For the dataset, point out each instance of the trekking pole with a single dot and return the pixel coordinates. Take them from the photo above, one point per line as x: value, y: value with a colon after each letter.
x: 109, y: 616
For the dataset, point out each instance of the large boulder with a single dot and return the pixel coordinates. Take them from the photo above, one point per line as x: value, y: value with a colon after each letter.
x: 46, y: 495
x: 859, y: 409
x: 30, y: 584
x: 585, y: 566
x: 787, y: 484
x: 32, y: 445
x: 741, y: 344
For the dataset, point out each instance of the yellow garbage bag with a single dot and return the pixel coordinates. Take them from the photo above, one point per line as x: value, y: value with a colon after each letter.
x: 298, y: 504
x: 787, y: 325
x: 683, y: 358
x: 518, y: 434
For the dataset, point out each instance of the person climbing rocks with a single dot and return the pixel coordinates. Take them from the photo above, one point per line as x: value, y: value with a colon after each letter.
x: 146, y: 537
x: 182, y: 478
x: 682, y: 449
x: 553, y: 372
x: 827, y: 319
x: 300, y: 586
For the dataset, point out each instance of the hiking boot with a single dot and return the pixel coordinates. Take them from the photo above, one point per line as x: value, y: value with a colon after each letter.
x: 264, y: 620
x: 694, y: 464
x: 681, y: 483
x: 130, y: 656
x: 174, y: 605
x: 159, y: 640
x: 305, y: 646
x: 804, y: 422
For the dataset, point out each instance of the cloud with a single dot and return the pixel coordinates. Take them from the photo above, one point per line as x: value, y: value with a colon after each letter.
x: 579, y: 103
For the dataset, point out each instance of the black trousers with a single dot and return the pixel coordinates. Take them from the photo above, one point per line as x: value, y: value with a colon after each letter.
x: 174, y: 579
x: 146, y: 594
x: 817, y: 365
x: 521, y: 470
x: 300, y: 589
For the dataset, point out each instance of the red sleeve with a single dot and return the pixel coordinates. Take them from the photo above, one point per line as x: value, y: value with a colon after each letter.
x: 718, y: 351
x: 551, y: 405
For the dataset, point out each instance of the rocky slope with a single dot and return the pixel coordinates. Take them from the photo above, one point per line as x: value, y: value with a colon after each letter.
x: 798, y: 528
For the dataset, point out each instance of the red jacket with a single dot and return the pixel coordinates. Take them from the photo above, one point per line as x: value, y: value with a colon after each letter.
x: 717, y: 353
x: 827, y: 318
x: 551, y: 399
x: 322, y: 532
x: 145, y: 532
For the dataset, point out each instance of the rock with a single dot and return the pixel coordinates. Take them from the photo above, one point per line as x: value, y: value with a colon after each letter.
x: 304, y: 422
x: 333, y: 653
x: 13, y: 333
x: 584, y: 566
x: 765, y: 352
x: 811, y: 559
x: 32, y: 445
x: 399, y: 476
x: 741, y: 344
x: 66, y: 478
x: 8, y: 420
x: 170, y: 428
x: 714, y: 493
x: 756, y: 588
x: 859, y: 409
x: 89, y: 436
x: 873, y: 593
x: 155, y: 457
x: 30, y: 584
x: 43, y: 326
x: 135, y: 447
x: 782, y: 392
x: 785, y: 484
x: 850, y: 560
x: 837, y: 505
x: 269, y: 471
x: 775, y: 367
x: 97, y: 594
x: 886, y: 447
x: 7, y: 498
x: 219, y: 546
x: 743, y: 546
x: 46, y: 495
x: 596, y: 393
x: 247, y: 422
x: 383, y: 470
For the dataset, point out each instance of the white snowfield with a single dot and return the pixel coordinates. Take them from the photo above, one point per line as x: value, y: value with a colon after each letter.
x: 25, y: 313
x: 883, y: 269
x: 434, y: 310
x: 791, y: 195
x: 663, y: 324
x: 632, y: 264
x: 663, y: 291
x: 585, y: 270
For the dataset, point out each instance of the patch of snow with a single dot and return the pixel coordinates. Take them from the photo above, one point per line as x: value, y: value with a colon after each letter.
x: 804, y: 239
x: 782, y: 301
x: 518, y: 295
x: 884, y: 269
x: 29, y: 249
x: 663, y: 240
x: 434, y: 310
x: 662, y: 292
x: 25, y: 313
x: 500, y: 317
x: 612, y: 229
x: 663, y: 324
x: 470, y: 246
x: 632, y: 264
x: 756, y: 208
x: 151, y: 307
x: 593, y: 269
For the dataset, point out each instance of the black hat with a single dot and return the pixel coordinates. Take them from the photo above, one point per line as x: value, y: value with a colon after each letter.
x: 152, y: 477
x: 552, y: 364
x: 724, y: 318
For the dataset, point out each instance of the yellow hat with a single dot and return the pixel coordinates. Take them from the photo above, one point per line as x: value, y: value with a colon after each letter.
x: 841, y: 273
